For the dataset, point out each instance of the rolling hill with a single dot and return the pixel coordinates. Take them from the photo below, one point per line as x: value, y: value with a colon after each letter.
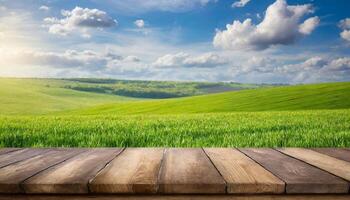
x: 41, y: 96
x: 300, y: 97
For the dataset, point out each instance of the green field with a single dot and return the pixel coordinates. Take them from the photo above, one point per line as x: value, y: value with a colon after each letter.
x: 46, y: 112
x: 302, y: 97
x: 41, y: 96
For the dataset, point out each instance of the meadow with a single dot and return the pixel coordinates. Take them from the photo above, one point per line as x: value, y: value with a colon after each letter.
x: 328, y: 128
x: 315, y: 115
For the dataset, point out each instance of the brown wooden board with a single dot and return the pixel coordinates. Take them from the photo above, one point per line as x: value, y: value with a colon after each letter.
x: 16, y: 156
x: 242, y: 174
x: 12, y: 175
x: 133, y: 171
x: 330, y: 164
x: 73, y: 175
x: 175, y: 197
x: 340, y: 153
x: 8, y: 150
x: 189, y: 171
x: 299, y: 176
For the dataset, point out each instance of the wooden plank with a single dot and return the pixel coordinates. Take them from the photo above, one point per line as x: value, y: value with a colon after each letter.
x: 8, y: 150
x: 12, y: 175
x: 299, y: 176
x: 175, y: 197
x: 16, y: 156
x: 73, y: 175
x: 133, y: 171
x: 335, y: 166
x: 189, y: 171
x: 340, y: 153
x: 242, y: 174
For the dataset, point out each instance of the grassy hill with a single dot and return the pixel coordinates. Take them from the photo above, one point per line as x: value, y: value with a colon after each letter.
x: 154, y: 89
x: 40, y: 96
x: 301, y: 97
x: 304, y: 116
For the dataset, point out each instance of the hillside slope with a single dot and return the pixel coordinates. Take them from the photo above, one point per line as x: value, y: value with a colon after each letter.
x: 41, y: 96
x: 301, y: 97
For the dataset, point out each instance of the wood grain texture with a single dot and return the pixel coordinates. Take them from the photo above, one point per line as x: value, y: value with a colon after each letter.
x: 73, y: 175
x: 340, y: 153
x: 330, y: 164
x: 16, y: 156
x: 299, y: 176
x: 8, y: 150
x: 175, y: 197
x: 242, y: 174
x: 133, y: 171
x: 189, y: 171
x: 12, y: 175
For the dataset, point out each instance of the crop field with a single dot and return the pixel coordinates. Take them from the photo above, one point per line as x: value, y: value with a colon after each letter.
x: 254, y: 129
x: 43, y: 113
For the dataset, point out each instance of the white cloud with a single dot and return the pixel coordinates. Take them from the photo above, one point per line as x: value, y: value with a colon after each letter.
x: 139, y: 23
x: 340, y: 64
x: 314, y: 63
x: 345, y: 26
x: 345, y: 23
x: 240, y: 3
x: 141, y: 6
x: 314, y: 69
x: 3, y: 8
x: 281, y: 26
x: 206, y: 60
x: 44, y: 8
x: 79, y: 18
x: 309, y: 25
x: 345, y: 35
x: 70, y: 59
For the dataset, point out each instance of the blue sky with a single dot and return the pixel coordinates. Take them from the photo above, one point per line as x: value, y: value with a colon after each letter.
x: 255, y: 41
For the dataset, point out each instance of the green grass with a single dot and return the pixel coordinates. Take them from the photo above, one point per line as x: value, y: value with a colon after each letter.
x: 326, y: 128
x: 44, y: 113
x: 302, y: 97
x: 154, y: 89
x: 41, y: 96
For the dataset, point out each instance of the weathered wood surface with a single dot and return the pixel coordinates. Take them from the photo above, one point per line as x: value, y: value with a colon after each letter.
x: 175, y: 197
x: 298, y: 176
x: 73, y: 175
x: 189, y: 171
x: 134, y: 171
x: 340, y: 153
x: 168, y: 173
x: 335, y: 166
x: 8, y: 150
x: 242, y: 174
x: 11, y: 176
x: 16, y: 156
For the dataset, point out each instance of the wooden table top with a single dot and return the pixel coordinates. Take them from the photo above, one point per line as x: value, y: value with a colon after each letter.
x: 174, y: 171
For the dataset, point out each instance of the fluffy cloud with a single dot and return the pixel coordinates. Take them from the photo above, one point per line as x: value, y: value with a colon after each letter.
x: 207, y: 60
x: 281, y: 26
x: 345, y: 25
x: 309, y: 25
x: 314, y: 69
x: 139, y: 23
x: 140, y: 6
x: 79, y: 18
x: 345, y: 35
x: 240, y: 3
x: 314, y: 63
x: 44, y: 8
x: 70, y: 59
x: 340, y: 64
